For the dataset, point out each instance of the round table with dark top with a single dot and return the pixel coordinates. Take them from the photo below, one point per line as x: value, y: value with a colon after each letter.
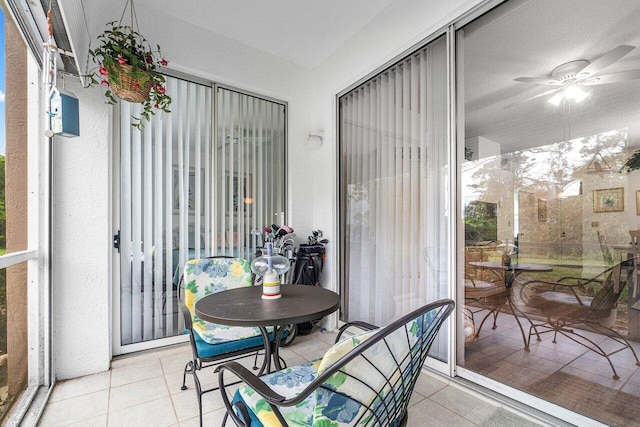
x: 245, y: 307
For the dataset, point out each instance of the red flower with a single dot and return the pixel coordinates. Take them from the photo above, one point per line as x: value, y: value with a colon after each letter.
x: 164, y: 62
x: 104, y: 83
x: 160, y: 89
x: 149, y: 59
x: 121, y: 60
x: 103, y: 71
x: 156, y: 106
x: 137, y: 85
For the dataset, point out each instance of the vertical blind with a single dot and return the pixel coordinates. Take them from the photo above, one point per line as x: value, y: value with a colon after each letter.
x: 163, y: 168
x: 182, y: 199
x: 250, y: 160
x: 394, y: 188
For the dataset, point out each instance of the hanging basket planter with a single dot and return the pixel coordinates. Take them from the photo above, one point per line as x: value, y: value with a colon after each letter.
x: 130, y: 88
x: 129, y: 68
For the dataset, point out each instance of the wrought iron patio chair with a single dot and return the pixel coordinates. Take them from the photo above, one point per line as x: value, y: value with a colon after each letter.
x: 569, y: 311
x: 366, y: 379
x: 212, y: 344
x: 484, y: 289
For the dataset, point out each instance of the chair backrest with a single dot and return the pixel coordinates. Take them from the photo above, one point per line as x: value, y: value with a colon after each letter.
x: 369, y: 379
x: 208, y: 276
x: 615, y: 279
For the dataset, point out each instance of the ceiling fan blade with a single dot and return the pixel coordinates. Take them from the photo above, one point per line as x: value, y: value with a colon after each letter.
x: 545, y: 93
x: 623, y: 76
x: 538, y: 80
x: 605, y: 60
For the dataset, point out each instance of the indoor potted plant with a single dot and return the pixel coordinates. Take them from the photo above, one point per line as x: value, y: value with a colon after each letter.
x: 127, y: 67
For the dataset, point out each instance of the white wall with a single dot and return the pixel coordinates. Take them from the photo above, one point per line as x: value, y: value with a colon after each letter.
x: 81, y: 241
x: 400, y: 26
x: 82, y: 246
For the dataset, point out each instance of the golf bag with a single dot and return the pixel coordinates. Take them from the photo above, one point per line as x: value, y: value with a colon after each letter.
x: 308, y: 266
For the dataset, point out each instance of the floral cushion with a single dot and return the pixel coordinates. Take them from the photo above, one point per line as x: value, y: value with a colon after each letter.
x: 372, y: 389
x: 341, y: 348
x: 288, y: 382
x: 208, y: 276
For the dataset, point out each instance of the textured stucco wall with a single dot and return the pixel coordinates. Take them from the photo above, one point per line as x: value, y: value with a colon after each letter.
x: 16, y: 204
x: 81, y: 241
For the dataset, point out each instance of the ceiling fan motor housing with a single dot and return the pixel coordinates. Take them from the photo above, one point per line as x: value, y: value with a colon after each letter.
x: 569, y: 70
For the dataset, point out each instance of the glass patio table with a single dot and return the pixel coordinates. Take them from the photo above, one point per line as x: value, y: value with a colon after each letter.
x: 245, y: 307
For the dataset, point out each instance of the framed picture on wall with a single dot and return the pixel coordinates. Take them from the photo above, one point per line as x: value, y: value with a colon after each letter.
x: 239, y: 195
x: 191, y: 191
x: 543, y: 209
x: 608, y: 200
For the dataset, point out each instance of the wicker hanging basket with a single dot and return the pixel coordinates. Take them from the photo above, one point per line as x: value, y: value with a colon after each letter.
x: 125, y: 86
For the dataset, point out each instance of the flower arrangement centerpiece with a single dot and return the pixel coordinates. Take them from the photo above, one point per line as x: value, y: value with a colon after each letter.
x: 127, y: 66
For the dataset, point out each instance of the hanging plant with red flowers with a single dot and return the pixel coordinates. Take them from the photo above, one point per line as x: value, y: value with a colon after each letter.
x: 127, y: 67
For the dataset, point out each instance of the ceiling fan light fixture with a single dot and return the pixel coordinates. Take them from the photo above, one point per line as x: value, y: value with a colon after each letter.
x: 575, y: 93
x: 570, y: 92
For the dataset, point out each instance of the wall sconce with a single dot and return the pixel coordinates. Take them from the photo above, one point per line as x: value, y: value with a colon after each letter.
x: 315, y: 139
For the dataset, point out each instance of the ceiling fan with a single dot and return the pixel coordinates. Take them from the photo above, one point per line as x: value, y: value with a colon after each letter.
x: 569, y: 80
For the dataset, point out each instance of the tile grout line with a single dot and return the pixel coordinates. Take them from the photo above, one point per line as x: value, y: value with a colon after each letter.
x: 166, y: 384
x: 109, y: 394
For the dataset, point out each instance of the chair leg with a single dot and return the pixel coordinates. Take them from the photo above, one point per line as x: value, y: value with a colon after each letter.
x: 616, y: 337
x: 495, y: 316
x: 196, y: 380
x: 187, y: 369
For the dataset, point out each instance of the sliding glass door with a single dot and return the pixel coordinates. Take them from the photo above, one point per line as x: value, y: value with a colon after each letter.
x: 394, y: 206
x: 187, y: 191
x: 548, y: 119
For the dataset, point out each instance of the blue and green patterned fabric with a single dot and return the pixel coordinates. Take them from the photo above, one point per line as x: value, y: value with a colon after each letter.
x: 372, y: 389
x: 208, y: 276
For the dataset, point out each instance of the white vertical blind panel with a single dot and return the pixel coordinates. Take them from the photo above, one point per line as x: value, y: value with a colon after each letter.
x: 207, y: 162
x: 136, y: 232
x: 165, y: 168
x: 158, y: 223
x: 147, y: 235
x: 250, y: 172
x: 169, y: 244
x: 393, y: 131
x: 126, y: 334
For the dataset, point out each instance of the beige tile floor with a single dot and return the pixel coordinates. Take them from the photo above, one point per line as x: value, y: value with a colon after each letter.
x: 499, y: 354
x: 144, y: 390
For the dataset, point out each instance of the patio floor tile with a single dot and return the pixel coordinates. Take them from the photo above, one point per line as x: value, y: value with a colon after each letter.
x: 144, y: 390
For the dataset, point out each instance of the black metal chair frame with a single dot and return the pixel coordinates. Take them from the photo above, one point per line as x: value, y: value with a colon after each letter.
x: 393, y: 408
x: 564, y: 322
x: 199, y: 362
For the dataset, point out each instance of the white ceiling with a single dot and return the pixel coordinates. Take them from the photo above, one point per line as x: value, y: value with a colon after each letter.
x: 527, y: 38
x: 530, y: 38
x: 305, y: 32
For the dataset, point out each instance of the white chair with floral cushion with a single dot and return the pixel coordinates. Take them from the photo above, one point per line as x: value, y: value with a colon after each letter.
x: 211, y: 343
x: 366, y: 379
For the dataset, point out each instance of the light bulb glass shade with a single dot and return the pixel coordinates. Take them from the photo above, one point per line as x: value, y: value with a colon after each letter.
x: 581, y: 96
x: 260, y: 265
x: 556, y: 99
x: 571, y: 92
x: 575, y: 93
